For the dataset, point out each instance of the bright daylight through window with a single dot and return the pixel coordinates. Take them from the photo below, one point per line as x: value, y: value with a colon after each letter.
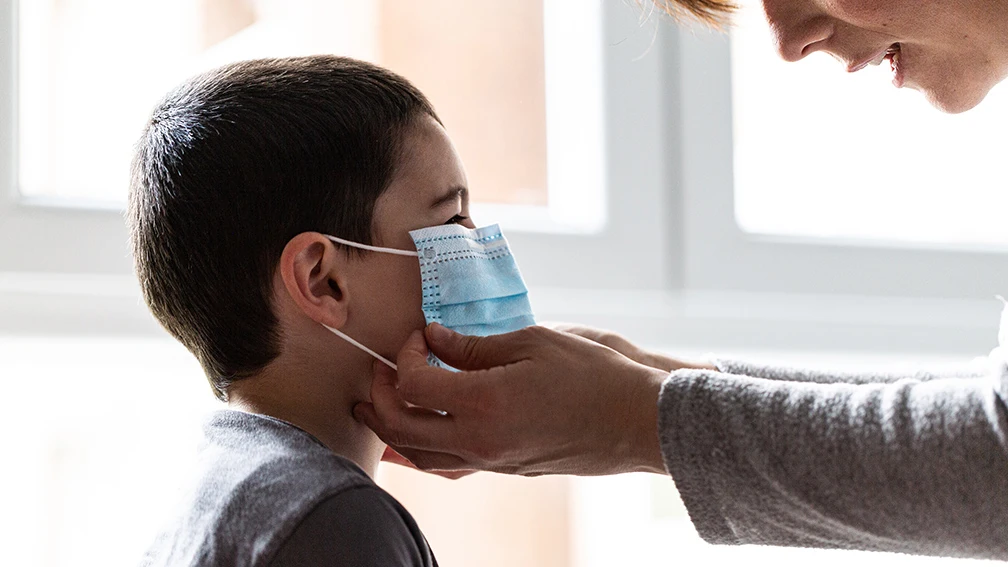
x: 75, y: 140
x: 823, y: 154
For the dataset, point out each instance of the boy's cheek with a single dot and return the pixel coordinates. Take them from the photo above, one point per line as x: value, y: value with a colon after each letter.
x: 416, y: 303
x: 411, y: 316
x: 394, y: 294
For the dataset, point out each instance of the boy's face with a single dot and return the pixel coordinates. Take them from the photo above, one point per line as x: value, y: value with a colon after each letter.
x: 428, y: 188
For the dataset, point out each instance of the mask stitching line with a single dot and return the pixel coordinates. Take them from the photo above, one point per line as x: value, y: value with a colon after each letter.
x: 455, y: 256
x: 496, y: 320
x: 429, y: 269
x: 482, y: 248
x: 458, y: 237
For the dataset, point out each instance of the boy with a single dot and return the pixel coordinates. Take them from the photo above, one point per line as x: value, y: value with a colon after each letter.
x: 238, y: 178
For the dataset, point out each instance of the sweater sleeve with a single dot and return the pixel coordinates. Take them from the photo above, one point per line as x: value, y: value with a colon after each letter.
x: 913, y: 466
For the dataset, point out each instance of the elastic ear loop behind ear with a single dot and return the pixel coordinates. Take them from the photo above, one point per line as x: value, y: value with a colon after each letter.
x: 343, y: 335
x: 373, y: 248
x: 346, y: 338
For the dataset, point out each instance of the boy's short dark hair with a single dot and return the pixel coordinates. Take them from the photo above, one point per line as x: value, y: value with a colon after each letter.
x: 236, y: 162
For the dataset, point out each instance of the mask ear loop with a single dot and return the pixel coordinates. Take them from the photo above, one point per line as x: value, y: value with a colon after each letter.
x: 391, y: 364
x: 374, y: 248
x: 343, y: 335
x: 346, y: 338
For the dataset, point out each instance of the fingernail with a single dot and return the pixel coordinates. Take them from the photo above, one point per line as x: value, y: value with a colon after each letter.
x: 418, y: 333
x: 438, y: 333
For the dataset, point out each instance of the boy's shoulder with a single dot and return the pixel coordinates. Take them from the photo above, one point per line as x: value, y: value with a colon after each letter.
x: 268, y: 493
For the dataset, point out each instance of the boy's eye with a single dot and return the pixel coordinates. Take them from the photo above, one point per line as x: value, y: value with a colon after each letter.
x: 457, y: 219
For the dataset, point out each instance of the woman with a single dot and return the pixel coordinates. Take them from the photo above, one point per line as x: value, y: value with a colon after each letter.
x: 761, y: 455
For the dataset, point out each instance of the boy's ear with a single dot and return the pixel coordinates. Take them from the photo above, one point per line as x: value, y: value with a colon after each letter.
x: 314, y: 275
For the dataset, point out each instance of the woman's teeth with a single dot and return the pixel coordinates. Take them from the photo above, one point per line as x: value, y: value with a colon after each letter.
x: 893, y: 55
x: 894, y: 48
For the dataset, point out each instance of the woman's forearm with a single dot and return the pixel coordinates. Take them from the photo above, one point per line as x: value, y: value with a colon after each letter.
x: 911, y: 466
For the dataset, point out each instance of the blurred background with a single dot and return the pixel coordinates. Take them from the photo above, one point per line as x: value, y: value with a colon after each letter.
x: 682, y: 187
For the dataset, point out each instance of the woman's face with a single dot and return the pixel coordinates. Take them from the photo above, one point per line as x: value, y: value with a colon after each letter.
x: 952, y: 52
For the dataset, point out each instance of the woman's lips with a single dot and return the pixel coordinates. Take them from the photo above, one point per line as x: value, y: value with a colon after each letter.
x: 892, y: 54
x: 873, y: 60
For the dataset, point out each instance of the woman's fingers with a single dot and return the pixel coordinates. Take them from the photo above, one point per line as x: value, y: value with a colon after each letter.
x: 475, y: 353
x: 405, y: 426
x: 441, y: 464
x: 628, y: 349
x: 423, y: 385
x: 398, y: 423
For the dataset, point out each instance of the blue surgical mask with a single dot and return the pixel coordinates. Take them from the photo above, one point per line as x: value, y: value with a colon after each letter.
x: 470, y: 281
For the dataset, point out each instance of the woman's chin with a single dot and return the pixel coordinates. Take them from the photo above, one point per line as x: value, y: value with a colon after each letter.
x: 953, y: 97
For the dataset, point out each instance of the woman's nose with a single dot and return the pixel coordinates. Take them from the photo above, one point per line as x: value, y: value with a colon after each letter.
x: 797, y: 27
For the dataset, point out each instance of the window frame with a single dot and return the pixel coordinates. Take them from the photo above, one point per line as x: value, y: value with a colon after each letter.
x: 632, y: 249
x: 575, y: 187
x: 70, y: 238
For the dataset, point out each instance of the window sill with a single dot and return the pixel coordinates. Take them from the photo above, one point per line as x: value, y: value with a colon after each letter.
x: 686, y: 322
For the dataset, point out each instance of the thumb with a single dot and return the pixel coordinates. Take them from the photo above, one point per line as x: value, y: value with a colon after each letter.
x: 467, y: 352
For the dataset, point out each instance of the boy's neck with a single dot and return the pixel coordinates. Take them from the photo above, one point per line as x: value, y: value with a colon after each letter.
x: 315, y: 403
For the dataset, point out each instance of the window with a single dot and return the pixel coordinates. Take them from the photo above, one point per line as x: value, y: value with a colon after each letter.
x: 84, y: 75
x: 90, y: 72
x: 84, y: 97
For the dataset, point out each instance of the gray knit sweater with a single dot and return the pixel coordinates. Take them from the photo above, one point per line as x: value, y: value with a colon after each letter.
x: 914, y: 463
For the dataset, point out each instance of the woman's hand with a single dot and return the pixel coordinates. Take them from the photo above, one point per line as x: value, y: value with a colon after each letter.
x: 621, y: 345
x: 391, y: 456
x: 531, y: 402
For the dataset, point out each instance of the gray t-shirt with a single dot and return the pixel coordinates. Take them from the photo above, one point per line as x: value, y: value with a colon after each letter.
x: 268, y: 493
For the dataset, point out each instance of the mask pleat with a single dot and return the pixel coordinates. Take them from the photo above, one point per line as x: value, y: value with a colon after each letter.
x: 471, y: 283
x: 481, y: 312
x: 497, y: 327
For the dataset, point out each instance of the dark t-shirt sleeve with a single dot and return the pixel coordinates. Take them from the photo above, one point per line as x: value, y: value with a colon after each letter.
x: 361, y: 526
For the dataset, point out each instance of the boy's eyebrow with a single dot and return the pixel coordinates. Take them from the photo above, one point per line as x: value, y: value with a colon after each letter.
x: 456, y: 192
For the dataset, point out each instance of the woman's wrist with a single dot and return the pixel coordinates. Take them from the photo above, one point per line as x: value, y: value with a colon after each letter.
x: 646, y: 442
x: 646, y: 455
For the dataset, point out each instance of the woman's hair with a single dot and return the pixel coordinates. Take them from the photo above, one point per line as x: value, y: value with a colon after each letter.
x: 711, y: 12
